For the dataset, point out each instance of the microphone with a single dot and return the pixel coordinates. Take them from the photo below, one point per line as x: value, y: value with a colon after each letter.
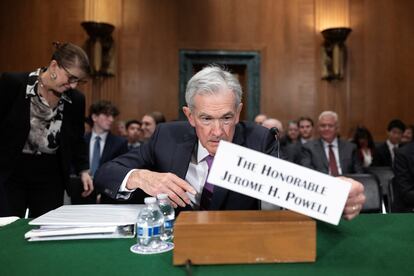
x: 275, y: 132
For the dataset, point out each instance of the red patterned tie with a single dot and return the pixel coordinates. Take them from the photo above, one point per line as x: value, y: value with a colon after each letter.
x: 208, y: 188
x: 333, y: 168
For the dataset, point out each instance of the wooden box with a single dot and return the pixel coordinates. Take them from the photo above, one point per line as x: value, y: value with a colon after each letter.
x: 230, y: 237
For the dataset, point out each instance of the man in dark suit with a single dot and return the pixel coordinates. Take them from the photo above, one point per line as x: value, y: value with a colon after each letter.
x: 101, y: 116
x: 329, y: 154
x: 305, y: 129
x: 384, y: 153
x: 134, y: 133
x: 175, y: 160
x: 404, y: 179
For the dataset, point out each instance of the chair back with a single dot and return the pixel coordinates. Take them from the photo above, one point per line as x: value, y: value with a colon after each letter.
x: 372, y: 190
x: 385, y: 176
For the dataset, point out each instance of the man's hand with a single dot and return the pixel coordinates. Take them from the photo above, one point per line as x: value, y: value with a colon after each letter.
x: 356, y: 199
x: 87, y: 183
x: 154, y: 183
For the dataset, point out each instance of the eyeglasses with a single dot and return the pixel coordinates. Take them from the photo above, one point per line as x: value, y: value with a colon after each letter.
x: 72, y: 78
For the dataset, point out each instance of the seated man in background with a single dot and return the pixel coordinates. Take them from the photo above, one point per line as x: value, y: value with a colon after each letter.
x: 292, y: 133
x: 103, y: 146
x: 177, y: 158
x: 134, y: 133
x: 305, y: 129
x: 150, y: 122
x: 384, y: 153
x: 329, y: 154
x: 404, y: 179
x: 286, y: 151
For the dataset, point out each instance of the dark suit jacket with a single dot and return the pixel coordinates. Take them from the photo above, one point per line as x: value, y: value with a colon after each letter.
x: 404, y: 178
x: 114, y: 147
x: 170, y: 150
x: 313, y: 156
x: 15, y: 126
x: 292, y: 152
x: 382, y: 156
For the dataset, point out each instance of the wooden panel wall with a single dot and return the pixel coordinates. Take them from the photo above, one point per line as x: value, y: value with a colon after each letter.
x: 381, y: 65
x: 149, y: 34
x: 281, y: 30
x: 28, y: 28
x: 149, y: 58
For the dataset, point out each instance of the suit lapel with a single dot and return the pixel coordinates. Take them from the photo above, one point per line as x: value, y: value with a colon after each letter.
x: 324, y: 159
x: 88, y: 137
x: 220, y: 194
x: 107, y: 149
x: 341, y: 152
x: 181, y: 157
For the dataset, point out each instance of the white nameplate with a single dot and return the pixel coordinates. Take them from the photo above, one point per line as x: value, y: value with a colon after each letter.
x: 279, y: 182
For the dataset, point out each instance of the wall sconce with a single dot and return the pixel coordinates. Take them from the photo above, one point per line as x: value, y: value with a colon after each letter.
x: 100, y: 48
x: 334, y: 53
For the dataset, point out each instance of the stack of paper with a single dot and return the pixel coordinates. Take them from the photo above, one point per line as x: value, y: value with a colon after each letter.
x: 86, y: 222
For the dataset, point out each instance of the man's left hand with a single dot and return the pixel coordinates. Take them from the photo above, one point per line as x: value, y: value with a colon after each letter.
x: 356, y: 199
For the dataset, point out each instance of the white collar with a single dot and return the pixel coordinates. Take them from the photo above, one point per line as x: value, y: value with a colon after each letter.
x: 202, y: 152
x: 391, y: 145
x: 103, y: 135
x: 334, y: 143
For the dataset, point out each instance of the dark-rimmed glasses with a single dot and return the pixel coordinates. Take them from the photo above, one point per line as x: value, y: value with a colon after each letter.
x: 72, y: 78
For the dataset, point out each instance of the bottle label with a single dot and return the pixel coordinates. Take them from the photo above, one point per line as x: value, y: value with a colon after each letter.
x: 148, y: 232
x: 169, y: 224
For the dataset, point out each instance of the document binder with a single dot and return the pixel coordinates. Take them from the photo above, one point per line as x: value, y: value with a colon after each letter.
x: 86, y: 222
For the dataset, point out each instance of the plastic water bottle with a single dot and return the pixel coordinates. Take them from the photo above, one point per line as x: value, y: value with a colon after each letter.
x: 169, y: 216
x: 150, y: 227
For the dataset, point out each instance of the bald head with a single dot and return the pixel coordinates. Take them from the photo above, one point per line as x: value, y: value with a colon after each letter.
x: 271, y: 122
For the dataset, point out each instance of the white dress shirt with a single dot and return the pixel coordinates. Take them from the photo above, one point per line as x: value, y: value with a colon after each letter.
x: 196, y: 176
x: 391, y: 148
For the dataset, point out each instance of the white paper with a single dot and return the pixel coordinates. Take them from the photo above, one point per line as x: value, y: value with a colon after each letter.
x: 279, y: 182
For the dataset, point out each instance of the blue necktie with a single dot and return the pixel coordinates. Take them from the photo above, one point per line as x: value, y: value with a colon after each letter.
x: 96, y: 155
x: 208, y: 188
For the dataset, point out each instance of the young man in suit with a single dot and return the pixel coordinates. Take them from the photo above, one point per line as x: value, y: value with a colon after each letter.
x: 385, y: 152
x: 134, y: 133
x: 102, y: 144
x: 177, y: 158
x: 305, y: 129
x: 329, y: 154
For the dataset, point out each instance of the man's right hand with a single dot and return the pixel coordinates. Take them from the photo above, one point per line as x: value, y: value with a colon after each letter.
x: 154, y: 183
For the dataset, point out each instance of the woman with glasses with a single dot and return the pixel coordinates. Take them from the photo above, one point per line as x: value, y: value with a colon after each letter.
x: 42, y: 125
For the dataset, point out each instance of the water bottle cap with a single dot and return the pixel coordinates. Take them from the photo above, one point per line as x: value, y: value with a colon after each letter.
x: 162, y: 196
x: 150, y: 200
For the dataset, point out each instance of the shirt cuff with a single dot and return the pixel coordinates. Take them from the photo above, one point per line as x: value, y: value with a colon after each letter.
x: 124, y: 192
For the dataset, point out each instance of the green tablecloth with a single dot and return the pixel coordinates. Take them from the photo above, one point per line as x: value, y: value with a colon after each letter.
x: 368, y: 245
